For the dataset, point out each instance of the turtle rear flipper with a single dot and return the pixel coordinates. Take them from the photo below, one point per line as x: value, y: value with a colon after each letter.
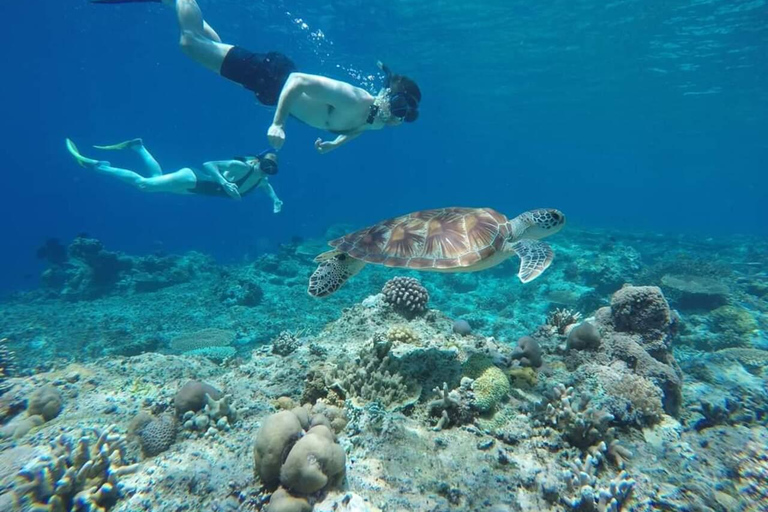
x: 535, y: 258
x: 333, y: 271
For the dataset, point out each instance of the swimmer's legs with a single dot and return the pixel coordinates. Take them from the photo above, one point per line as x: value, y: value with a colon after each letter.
x: 198, y: 40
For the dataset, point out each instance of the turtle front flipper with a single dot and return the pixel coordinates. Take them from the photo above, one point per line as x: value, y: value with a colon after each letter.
x: 334, y: 270
x: 535, y: 258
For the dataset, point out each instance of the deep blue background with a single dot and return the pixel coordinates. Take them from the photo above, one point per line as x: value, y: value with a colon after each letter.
x: 625, y: 115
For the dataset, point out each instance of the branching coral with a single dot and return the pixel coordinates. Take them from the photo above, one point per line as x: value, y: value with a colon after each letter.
x: 585, y: 427
x: 453, y: 406
x: 77, y: 476
x: 371, y: 376
x: 592, y: 499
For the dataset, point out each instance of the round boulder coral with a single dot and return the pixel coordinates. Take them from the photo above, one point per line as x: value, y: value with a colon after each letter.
x: 157, y: 435
x: 640, y: 309
x: 406, y: 295
x: 314, y: 462
x: 277, y: 435
x: 46, y: 402
x: 191, y: 396
x: 584, y: 336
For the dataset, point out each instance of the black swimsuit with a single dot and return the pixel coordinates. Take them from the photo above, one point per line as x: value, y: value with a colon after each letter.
x: 205, y: 186
x: 263, y: 73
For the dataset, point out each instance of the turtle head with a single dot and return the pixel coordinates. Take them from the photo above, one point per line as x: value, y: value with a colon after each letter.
x: 537, y: 224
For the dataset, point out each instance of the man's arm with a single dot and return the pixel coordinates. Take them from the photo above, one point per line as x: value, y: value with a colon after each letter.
x: 323, y: 147
x: 277, y: 204
x: 334, y: 92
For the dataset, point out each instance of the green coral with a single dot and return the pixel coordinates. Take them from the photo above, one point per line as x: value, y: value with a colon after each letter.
x: 491, y: 385
x: 491, y: 388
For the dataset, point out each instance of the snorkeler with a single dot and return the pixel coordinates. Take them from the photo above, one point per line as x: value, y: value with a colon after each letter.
x: 318, y: 101
x: 224, y: 178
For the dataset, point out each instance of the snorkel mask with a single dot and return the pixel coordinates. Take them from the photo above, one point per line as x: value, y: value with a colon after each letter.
x: 267, y: 161
x: 403, y: 104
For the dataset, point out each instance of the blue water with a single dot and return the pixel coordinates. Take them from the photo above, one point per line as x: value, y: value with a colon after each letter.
x: 632, y: 115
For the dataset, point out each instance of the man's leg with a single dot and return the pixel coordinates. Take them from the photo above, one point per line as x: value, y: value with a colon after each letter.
x: 198, y: 40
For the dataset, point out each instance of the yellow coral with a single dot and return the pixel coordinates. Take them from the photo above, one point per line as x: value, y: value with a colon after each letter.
x: 524, y: 375
x: 402, y: 334
x: 490, y: 388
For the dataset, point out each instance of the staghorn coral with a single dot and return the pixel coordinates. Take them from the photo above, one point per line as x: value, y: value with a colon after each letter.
x: 212, y: 343
x: 559, y: 319
x: 453, y: 407
x: 581, y: 478
x: 406, y: 295
x: 76, y: 476
x: 371, y: 376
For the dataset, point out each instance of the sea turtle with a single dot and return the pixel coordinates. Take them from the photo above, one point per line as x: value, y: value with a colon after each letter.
x: 442, y: 240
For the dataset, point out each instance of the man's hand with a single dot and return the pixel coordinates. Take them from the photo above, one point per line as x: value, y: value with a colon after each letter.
x: 277, y: 207
x: 323, y: 147
x: 231, y: 189
x: 276, y: 136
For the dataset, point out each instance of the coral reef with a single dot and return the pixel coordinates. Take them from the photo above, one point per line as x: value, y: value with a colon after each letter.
x: 7, y: 365
x: 489, y: 433
x: 212, y: 343
x: 90, y: 271
x: 285, y: 343
x: 406, y: 295
x: 77, y: 475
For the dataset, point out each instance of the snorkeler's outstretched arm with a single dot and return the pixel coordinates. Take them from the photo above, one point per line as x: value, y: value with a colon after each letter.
x: 277, y: 204
x: 323, y: 147
x: 327, y: 90
x: 213, y: 169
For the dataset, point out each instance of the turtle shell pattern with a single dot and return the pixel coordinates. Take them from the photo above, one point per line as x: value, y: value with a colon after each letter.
x: 430, y: 239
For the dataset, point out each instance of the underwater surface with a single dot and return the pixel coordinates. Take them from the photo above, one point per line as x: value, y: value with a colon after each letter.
x: 161, y: 352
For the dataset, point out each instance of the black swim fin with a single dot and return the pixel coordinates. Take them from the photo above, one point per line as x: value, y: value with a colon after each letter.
x: 123, y: 1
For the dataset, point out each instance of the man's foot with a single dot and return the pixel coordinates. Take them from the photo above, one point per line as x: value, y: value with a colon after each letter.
x: 128, y: 144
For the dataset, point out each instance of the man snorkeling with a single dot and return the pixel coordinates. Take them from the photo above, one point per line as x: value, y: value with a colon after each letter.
x: 224, y: 178
x: 318, y: 101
